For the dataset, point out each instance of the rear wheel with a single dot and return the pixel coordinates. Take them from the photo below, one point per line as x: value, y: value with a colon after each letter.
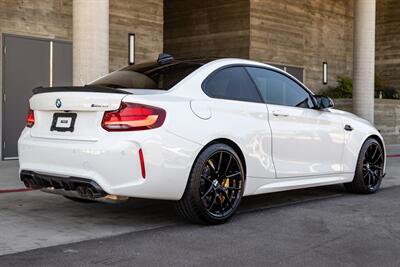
x: 369, y: 170
x: 215, y: 187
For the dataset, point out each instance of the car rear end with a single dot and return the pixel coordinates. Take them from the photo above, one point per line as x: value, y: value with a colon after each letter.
x: 98, y: 143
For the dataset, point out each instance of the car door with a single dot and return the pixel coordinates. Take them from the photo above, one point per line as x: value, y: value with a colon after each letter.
x: 305, y: 141
x: 240, y: 114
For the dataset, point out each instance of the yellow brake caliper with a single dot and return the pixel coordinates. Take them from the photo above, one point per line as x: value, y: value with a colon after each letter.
x: 225, y: 184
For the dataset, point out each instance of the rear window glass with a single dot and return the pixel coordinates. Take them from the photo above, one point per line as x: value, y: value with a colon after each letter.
x: 232, y: 83
x: 150, y: 75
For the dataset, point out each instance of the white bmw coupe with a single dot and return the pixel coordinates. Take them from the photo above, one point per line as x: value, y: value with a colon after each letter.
x: 203, y: 132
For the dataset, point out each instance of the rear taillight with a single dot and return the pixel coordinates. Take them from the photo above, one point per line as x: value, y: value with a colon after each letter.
x: 30, y: 119
x: 133, y: 117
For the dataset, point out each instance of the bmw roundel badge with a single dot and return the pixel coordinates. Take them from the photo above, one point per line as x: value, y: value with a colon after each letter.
x: 58, y: 103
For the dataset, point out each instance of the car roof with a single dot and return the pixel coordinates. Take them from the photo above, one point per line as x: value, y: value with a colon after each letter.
x: 197, y: 61
x: 207, y: 62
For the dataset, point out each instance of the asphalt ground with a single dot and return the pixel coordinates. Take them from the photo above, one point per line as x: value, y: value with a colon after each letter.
x: 323, y: 226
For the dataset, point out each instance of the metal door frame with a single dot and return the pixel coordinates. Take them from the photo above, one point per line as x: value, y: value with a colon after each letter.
x: 2, y: 89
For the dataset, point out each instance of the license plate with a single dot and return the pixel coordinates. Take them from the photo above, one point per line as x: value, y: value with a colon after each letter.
x: 63, y: 122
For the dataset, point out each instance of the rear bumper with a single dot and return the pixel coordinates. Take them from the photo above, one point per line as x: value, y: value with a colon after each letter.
x: 113, y: 162
x: 35, y: 180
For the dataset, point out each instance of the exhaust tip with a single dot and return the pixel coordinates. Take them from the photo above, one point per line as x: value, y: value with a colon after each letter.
x: 26, y: 183
x: 81, y: 191
x: 30, y: 183
x: 89, y: 193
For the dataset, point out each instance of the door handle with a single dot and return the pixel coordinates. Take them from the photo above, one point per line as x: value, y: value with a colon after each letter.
x: 279, y: 113
x: 348, y: 128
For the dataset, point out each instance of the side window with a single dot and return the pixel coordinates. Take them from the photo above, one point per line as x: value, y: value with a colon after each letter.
x: 278, y: 89
x: 232, y: 83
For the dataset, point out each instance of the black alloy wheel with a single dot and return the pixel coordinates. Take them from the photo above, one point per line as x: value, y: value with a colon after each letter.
x: 372, y: 169
x: 215, y: 187
x: 221, y: 184
x: 370, y: 166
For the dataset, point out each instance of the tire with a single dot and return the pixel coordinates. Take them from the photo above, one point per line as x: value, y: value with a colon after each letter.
x: 369, y: 170
x: 80, y: 200
x: 215, y: 186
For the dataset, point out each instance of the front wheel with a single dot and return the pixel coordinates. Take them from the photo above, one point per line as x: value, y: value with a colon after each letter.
x: 215, y: 187
x: 369, y: 170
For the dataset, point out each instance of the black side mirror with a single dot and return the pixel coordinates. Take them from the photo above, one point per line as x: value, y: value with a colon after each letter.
x: 324, y: 102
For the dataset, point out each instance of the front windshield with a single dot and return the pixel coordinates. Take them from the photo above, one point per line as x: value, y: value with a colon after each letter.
x: 150, y: 75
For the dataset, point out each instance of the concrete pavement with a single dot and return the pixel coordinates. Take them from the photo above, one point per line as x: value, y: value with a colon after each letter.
x: 35, y: 220
x: 344, y: 230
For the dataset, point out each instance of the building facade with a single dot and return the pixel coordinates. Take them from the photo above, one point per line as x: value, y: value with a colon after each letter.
x: 302, y: 34
x: 53, y: 19
x: 388, y: 42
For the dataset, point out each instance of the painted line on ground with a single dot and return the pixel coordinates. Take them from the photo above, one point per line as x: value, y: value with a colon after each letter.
x: 14, y: 190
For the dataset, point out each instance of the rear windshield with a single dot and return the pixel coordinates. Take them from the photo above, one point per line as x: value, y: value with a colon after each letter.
x: 150, y: 75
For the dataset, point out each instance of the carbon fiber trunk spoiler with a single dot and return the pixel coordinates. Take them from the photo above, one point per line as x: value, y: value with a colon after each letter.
x: 86, y: 88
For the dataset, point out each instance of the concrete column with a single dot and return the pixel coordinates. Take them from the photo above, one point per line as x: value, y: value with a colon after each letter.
x: 364, y: 58
x: 90, y: 40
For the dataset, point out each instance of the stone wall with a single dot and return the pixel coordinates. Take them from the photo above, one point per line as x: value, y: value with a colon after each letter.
x: 388, y: 42
x: 387, y: 117
x: 293, y: 33
x: 304, y: 34
x: 209, y: 28
x: 299, y: 33
x: 146, y: 20
x: 50, y: 18
x: 53, y: 19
